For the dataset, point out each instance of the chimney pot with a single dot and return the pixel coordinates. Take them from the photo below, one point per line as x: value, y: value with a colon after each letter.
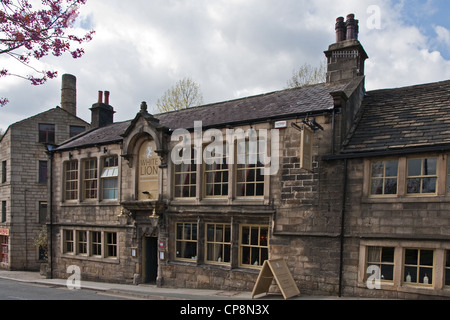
x: 340, y: 29
x: 352, y: 27
x: 100, y: 97
x: 107, y: 97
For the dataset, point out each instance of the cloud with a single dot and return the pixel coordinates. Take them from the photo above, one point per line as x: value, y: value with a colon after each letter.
x: 232, y: 48
x: 443, y: 35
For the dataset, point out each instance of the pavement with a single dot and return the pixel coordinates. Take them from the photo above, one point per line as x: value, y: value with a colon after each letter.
x: 148, y: 292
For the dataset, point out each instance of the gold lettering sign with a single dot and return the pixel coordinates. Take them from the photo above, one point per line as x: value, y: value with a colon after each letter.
x: 148, y: 175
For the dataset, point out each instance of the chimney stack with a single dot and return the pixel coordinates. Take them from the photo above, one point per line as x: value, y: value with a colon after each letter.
x: 346, y: 57
x: 101, y: 112
x: 69, y: 93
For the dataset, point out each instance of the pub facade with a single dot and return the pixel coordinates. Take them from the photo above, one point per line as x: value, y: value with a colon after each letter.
x: 201, y: 197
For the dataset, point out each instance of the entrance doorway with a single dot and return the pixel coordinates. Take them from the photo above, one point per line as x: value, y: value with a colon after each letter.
x: 150, y: 259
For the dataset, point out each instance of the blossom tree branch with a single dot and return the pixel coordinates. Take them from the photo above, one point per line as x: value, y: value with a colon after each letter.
x: 28, y: 33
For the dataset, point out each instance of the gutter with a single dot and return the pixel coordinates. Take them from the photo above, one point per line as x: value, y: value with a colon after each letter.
x: 388, y: 152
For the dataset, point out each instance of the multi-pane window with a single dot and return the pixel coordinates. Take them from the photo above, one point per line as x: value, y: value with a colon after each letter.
x: 383, y: 258
x: 216, y: 174
x: 254, y: 249
x: 419, y: 266
x: 109, y: 176
x: 218, y: 243
x: 47, y: 133
x: 90, y: 179
x: 250, y: 180
x: 422, y: 176
x: 82, y: 242
x: 69, y: 241
x: 96, y: 243
x: 111, y: 244
x: 384, y: 177
x: 71, y: 180
x: 186, y: 178
x: 4, y: 249
x: 186, y: 241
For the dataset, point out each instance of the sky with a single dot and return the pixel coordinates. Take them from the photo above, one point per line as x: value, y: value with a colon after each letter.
x: 231, y: 48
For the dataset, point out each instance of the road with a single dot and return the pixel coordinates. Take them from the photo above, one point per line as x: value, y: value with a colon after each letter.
x: 13, y: 290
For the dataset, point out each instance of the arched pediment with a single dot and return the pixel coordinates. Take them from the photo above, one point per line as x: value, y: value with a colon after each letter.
x: 144, y: 127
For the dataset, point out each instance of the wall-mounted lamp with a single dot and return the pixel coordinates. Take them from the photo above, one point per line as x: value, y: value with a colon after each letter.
x: 70, y: 155
x: 105, y: 150
x: 154, y: 218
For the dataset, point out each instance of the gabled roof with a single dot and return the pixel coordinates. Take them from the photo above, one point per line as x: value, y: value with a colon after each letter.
x: 274, y: 105
x: 402, y: 118
x: 41, y: 114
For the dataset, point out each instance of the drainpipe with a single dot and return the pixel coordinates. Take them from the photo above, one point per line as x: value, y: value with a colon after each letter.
x: 50, y: 211
x: 342, y: 234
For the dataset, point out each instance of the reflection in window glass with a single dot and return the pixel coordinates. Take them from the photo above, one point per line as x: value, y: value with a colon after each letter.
x: 384, y: 178
x: 422, y: 176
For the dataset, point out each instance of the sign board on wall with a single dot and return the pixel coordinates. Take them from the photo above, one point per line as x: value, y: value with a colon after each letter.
x: 306, y: 151
x: 148, y: 174
x: 278, y: 270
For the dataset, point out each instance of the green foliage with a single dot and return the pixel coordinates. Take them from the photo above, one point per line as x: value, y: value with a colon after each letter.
x: 307, y: 75
x: 185, y: 94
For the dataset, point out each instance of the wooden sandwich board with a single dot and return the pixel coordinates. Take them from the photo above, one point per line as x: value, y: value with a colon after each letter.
x: 278, y: 270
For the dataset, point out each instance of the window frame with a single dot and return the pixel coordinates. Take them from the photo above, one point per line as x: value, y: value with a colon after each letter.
x: 190, y: 174
x: 82, y: 242
x: 259, y: 247
x: 4, y: 249
x: 422, y: 176
x: 68, y: 242
x: 90, y: 183
x: 221, y: 170
x: 383, y: 178
x: 109, y: 173
x: 49, y: 132
x: 419, y: 266
x: 71, y: 181
x: 218, y: 243
x: 186, y: 241
x: 111, y: 245
x: 381, y: 263
x: 248, y: 168
x: 96, y: 244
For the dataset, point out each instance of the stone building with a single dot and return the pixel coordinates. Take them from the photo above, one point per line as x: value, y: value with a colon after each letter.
x: 337, y: 181
x: 23, y: 187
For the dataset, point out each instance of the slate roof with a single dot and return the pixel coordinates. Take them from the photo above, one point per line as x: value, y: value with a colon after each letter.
x: 274, y: 105
x: 409, y: 117
x: 279, y: 104
x: 96, y: 137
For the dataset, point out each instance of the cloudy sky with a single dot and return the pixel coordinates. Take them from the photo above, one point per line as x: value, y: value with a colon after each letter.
x: 231, y: 48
